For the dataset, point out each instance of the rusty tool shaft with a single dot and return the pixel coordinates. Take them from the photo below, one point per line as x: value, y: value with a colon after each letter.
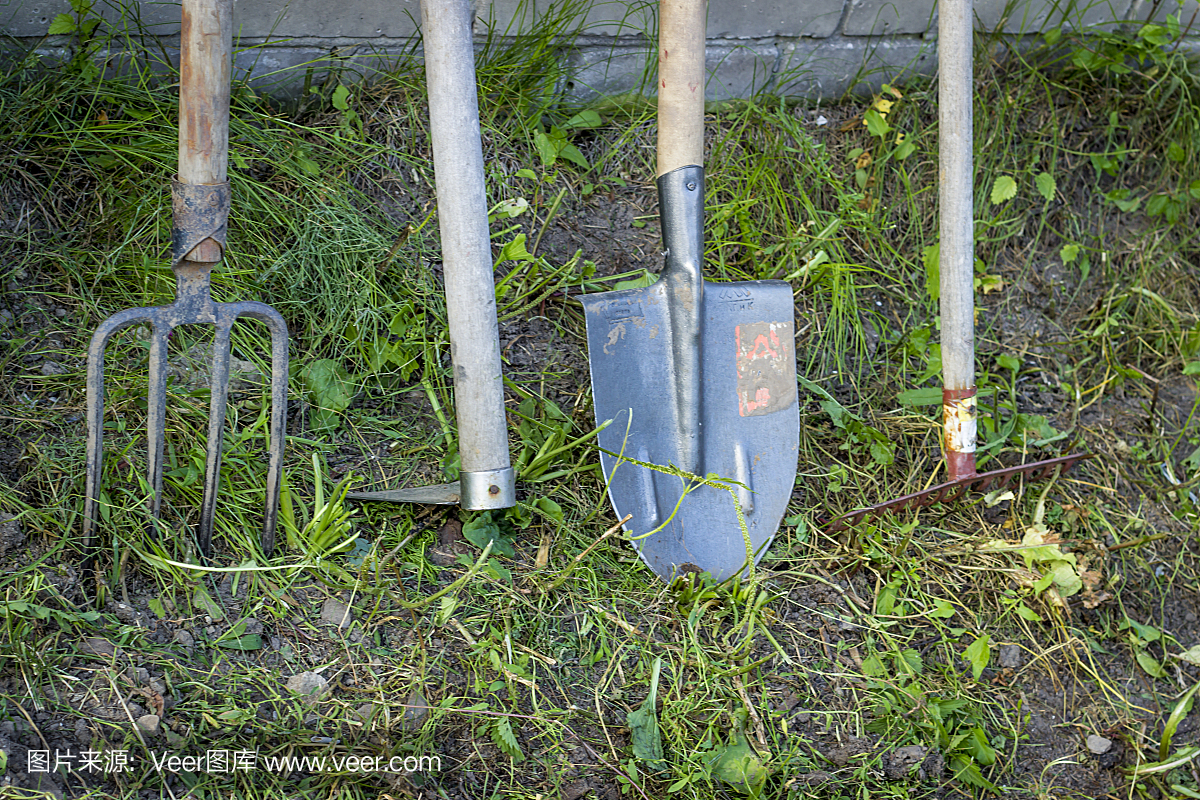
x: 956, y: 250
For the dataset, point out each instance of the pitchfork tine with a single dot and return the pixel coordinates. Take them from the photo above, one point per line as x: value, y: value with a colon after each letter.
x: 216, y: 427
x: 156, y: 415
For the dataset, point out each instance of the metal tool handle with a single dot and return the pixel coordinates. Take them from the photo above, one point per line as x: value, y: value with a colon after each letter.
x: 681, y: 29
x: 487, y: 477
x: 206, y: 46
x: 957, y: 246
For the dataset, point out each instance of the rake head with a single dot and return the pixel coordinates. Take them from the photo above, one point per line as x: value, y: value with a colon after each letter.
x: 954, y: 490
x: 200, y: 218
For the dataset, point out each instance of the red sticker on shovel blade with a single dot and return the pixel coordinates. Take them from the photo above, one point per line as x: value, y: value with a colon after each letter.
x: 764, y: 384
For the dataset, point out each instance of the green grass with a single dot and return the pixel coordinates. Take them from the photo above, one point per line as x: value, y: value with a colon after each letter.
x: 807, y: 679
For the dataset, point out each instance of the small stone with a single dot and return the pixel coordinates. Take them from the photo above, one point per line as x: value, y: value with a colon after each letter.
x: 158, y: 685
x: 12, y: 537
x: 901, y: 762
x: 149, y: 724
x: 1010, y: 656
x: 335, y: 612
x: 365, y: 712
x: 8, y: 728
x: 253, y: 625
x: 6, y: 318
x: 309, y: 685
x: 1098, y: 745
x: 95, y: 646
x: 415, y: 712
x: 184, y: 638
x: 50, y: 368
x: 83, y: 733
x: 139, y: 675
x: 127, y: 614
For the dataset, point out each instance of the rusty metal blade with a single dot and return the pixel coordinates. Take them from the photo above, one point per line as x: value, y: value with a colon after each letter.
x: 954, y: 490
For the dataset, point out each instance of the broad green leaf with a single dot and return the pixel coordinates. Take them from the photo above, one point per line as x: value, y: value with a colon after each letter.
x: 643, y: 726
x: 1191, y: 656
x: 236, y: 716
x: 885, y: 603
x: 1004, y: 189
x: 933, y: 286
x: 876, y: 124
x: 645, y: 279
x: 925, y: 396
x: 980, y: 748
x: 1120, y: 197
x: 514, y: 251
x: 571, y: 153
x: 912, y: 659
x: 979, y: 653
x: 1027, y: 613
x: 1178, y: 714
x: 550, y: 508
x: 1008, y: 362
x: 547, y: 149
x: 341, y: 97
x: 1176, y: 153
x: 1147, y: 633
x: 525, y: 172
x: 482, y: 530
x: 204, y: 603
x: 62, y: 23
x: 966, y: 770
x: 1069, y: 253
x: 1157, y: 205
x: 330, y: 390
x: 1066, y: 578
x: 506, y: 740
x: 740, y: 767
x: 585, y: 119
x: 249, y: 641
x: 1150, y: 664
x: 872, y: 667
x: 1046, y: 185
x: 943, y: 609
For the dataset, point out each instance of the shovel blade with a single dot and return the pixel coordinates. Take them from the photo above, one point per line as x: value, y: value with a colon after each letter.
x: 749, y: 427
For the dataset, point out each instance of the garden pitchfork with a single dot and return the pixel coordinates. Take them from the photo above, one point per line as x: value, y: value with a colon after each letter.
x: 200, y: 202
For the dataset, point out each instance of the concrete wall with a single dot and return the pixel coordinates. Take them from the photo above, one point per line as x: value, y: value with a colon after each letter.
x: 811, y: 48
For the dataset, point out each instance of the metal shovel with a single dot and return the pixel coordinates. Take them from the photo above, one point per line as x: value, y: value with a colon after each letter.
x: 957, y: 288
x: 486, y: 480
x: 200, y: 201
x: 699, y: 378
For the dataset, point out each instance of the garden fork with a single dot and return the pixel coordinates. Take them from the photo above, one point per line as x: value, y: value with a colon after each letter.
x: 200, y: 203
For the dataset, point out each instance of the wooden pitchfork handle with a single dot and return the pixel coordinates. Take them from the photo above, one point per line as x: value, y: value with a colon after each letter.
x: 205, y: 70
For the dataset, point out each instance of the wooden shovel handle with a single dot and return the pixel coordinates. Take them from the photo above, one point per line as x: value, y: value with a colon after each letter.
x: 206, y: 46
x: 681, y: 28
